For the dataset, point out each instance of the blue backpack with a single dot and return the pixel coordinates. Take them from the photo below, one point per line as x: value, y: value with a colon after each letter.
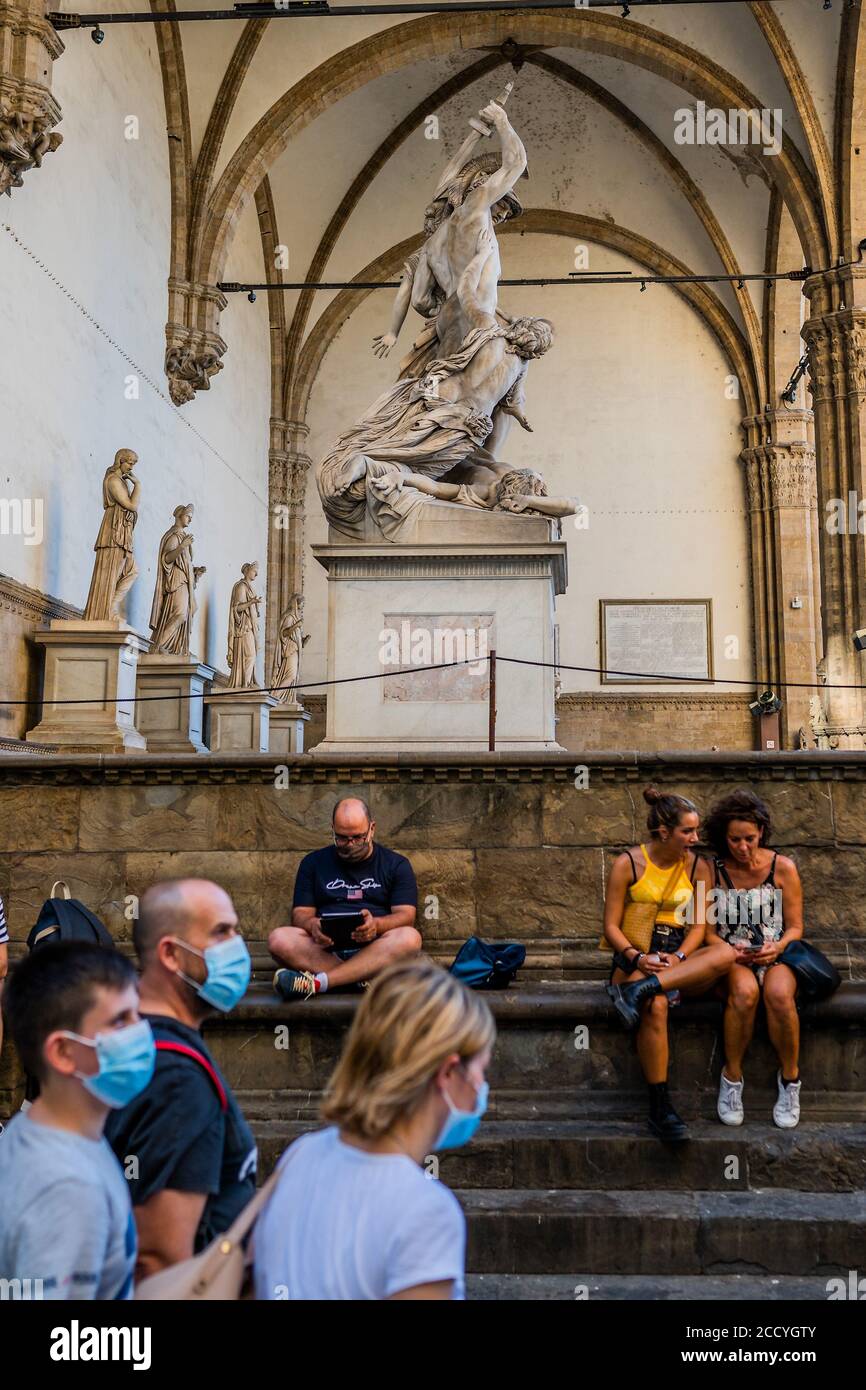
x: 488, y: 964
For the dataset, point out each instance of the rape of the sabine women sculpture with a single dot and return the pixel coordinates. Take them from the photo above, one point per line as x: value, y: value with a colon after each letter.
x: 434, y: 437
x: 174, y: 604
x: 115, y: 570
x: 291, y: 641
x: 243, y: 639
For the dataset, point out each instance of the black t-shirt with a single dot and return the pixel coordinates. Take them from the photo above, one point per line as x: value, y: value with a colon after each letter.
x: 383, y: 881
x: 181, y: 1137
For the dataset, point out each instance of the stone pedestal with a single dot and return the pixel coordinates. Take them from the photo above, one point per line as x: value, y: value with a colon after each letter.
x: 470, y: 583
x: 174, y: 722
x: 287, y: 729
x: 93, y: 662
x: 238, y: 720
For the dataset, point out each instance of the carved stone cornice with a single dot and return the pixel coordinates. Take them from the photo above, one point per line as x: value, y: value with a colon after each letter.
x: 32, y: 603
x: 231, y: 769
x: 28, y: 47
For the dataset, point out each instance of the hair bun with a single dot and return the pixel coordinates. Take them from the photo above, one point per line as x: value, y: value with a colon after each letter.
x: 651, y: 795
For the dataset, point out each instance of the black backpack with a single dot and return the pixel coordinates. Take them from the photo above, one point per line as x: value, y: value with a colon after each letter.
x: 67, y: 919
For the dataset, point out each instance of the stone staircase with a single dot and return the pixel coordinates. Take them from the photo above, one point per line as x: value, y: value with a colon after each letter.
x: 566, y: 1193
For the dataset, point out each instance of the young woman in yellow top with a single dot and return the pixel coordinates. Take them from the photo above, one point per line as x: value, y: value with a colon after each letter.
x: 642, y: 983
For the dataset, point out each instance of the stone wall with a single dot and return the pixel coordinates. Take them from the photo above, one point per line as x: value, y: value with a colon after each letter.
x: 503, y: 845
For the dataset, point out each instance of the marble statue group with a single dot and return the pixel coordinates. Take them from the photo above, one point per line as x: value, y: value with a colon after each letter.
x: 435, y: 437
x: 174, y: 601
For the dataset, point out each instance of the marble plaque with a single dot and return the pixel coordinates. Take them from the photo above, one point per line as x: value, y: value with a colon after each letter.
x: 659, y: 637
x: 410, y: 640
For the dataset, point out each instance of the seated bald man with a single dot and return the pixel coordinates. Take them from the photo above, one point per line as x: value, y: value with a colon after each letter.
x: 183, y: 1143
x: 361, y: 892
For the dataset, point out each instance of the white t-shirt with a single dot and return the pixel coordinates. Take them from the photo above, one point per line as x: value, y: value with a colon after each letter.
x: 346, y: 1224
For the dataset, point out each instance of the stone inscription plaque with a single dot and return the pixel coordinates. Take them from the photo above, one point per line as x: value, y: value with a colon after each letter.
x: 669, y: 637
x: 459, y: 641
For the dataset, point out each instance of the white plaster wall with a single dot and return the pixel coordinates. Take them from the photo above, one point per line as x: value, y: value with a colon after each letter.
x: 629, y: 411
x: 97, y: 217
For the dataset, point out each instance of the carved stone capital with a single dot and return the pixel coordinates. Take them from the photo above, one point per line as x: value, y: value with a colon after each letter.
x: 28, y: 47
x: 792, y: 476
x: 194, y: 349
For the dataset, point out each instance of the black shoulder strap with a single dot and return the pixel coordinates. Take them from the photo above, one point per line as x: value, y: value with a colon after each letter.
x: 633, y: 869
x: 721, y: 872
x: 771, y: 876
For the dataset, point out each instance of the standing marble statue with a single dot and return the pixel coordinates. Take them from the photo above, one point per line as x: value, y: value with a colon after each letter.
x: 243, y: 643
x: 291, y: 641
x: 115, y: 570
x: 174, y: 604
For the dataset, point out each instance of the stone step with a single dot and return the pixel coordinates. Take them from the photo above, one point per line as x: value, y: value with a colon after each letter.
x: 560, y: 1053
x: 519, y: 1231
x: 566, y: 1288
x: 600, y: 1155
x: 571, y: 958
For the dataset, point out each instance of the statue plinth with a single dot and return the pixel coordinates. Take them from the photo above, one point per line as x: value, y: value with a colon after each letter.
x: 287, y: 728
x: 169, y: 707
x: 88, y: 688
x: 238, y: 720
x: 470, y: 583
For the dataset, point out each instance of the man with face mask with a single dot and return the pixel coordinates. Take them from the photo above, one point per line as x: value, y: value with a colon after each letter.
x: 351, y: 874
x: 66, y: 1227
x: 188, y: 1153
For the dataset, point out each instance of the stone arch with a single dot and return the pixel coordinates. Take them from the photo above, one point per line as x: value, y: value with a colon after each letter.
x: 560, y: 71
x: 443, y: 34
x: 544, y: 221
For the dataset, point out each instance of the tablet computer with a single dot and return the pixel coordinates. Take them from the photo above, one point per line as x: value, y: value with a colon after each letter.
x: 339, y: 922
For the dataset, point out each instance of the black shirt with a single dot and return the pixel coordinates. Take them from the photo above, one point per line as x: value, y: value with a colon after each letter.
x: 383, y: 881
x: 181, y: 1137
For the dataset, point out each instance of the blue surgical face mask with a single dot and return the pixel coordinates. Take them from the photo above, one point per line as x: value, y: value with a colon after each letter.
x: 126, y: 1059
x: 228, y: 972
x: 461, y: 1124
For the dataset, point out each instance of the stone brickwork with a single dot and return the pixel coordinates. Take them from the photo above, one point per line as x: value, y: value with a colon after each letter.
x: 503, y: 845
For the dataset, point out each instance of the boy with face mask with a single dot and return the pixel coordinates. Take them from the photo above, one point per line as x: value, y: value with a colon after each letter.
x: 66, y: 1225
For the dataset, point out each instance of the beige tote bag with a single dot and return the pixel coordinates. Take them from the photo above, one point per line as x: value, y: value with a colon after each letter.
x: 218, y: 1271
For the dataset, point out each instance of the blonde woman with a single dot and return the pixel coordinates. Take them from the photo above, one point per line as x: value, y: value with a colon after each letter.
x: 355, y: 1215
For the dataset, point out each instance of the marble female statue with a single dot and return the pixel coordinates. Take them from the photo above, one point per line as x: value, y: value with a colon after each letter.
x: 115, y: 570
x: 290, y: 643
x: 174, y: 604
x: 243, y: 644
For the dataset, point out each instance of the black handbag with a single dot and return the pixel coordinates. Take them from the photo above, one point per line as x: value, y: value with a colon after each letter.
x: 488, y: 964
x: 817, y: 977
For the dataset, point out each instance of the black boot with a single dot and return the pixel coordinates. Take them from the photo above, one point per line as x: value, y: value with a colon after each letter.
x: 627, y: 999
x: 663, y: 1119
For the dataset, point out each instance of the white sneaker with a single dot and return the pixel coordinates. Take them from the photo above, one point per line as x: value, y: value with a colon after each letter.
x: 786, y: 1111
x: 730, y: 1106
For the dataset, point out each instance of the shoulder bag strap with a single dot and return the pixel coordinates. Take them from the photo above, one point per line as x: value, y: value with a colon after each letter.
x: 203, y: 1062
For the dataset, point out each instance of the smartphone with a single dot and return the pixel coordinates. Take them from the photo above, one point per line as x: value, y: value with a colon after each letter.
x: 338, y: 923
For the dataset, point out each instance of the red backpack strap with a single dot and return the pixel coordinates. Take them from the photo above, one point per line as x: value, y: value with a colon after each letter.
x: 203, y: 1062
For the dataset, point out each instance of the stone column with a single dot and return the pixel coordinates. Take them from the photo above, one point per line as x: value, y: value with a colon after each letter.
x: 835, y: 335
x: 288, y: 466
x: 28, y: 47
x: 780, y: 478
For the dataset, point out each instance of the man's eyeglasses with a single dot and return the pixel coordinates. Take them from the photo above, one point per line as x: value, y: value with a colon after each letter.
x: 350, y: 839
